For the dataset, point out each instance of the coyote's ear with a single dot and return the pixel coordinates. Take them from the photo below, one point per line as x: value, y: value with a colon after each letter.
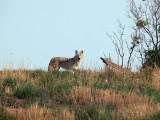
x: 76, y: 52
x: 82, y: 51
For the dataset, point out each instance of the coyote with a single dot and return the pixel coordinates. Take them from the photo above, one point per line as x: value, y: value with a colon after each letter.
x: 66, y: 63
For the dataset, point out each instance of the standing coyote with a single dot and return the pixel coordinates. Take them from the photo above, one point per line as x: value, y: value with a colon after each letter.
x: 66, y: 63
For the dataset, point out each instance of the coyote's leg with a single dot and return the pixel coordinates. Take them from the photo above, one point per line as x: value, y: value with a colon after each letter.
x: 50, y: 68
x: 71, y: 71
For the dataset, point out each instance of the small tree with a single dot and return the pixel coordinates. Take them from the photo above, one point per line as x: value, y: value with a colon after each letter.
x: 118, y: 42
x: 146, y: 38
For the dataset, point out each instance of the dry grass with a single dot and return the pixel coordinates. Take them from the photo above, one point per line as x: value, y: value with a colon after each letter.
x: 83, y: 90
x: 37, y: 113
x: 128, y: 105
x: 19, y: 74
x: 156, y: 78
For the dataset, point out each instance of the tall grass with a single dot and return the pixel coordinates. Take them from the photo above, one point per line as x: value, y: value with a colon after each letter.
x: 104, y: 94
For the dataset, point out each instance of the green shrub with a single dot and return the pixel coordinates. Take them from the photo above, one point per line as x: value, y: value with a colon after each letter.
x: 152, y: 57
x: 157, y: 97
x: 94, y: 112
x: 10, y: 82
x: 80, y: 114
x: 26, y: 103
x: 1, y: 90
x: 61, y: 91
x: 45, y: 99
x: 26, y: 91
x: 63, y: 75
x: 154, y: 117
x: 62, y: 88
x: 149, y: 91
x: 11, y: 101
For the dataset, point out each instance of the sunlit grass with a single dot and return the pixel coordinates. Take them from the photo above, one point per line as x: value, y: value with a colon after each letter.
x: 105, y: 94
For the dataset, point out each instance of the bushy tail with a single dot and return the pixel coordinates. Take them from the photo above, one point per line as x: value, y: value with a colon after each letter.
x: 50, y: 68
x: 53, y: 65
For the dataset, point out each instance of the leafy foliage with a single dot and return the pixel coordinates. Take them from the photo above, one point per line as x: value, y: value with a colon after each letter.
x: 152, y: 58
x: 26, y: 91
x: 159, y: 29
x: 9, y: 82
x: 142, y: 23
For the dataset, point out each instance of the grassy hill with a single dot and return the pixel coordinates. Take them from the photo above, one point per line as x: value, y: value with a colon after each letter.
x: 103, y: 95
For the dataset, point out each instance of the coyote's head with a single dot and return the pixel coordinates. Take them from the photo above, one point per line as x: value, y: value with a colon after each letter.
x: 79, y: 55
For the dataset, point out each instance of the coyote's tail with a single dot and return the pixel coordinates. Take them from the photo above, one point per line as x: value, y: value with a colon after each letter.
x: 50, y: 67
x: 53, y: 65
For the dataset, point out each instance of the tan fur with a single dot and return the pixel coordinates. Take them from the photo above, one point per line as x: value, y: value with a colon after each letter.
x: 66, y: 63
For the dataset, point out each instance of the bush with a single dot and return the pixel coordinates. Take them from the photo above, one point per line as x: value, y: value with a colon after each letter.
x: 45, y: 99
x: 61, y: 91
x: 80, y: 114
x: 9, y: 82
x: 27, y: 91
x: 152, y: 57
x: 154, y: 117
x: 95, y: 113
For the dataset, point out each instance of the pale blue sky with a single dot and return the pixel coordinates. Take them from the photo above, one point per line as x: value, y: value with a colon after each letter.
x: 34, y: 31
